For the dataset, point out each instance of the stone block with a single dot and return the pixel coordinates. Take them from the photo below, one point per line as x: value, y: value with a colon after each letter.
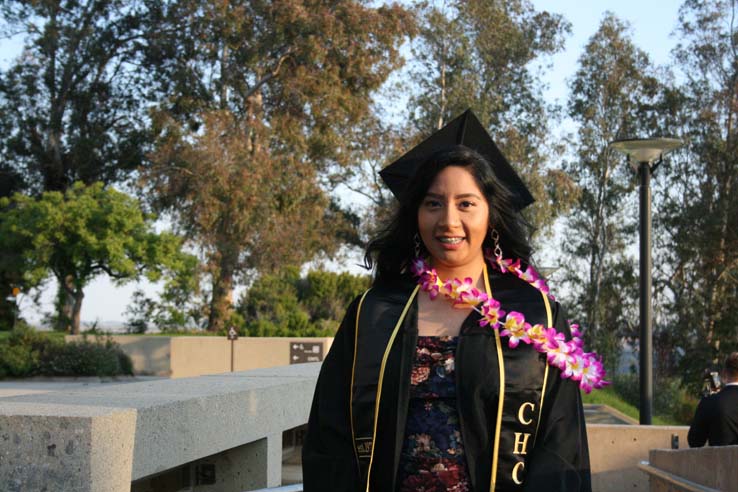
x: 65, y: 447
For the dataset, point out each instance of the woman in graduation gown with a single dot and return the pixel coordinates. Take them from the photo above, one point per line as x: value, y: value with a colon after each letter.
x: 420, y: 393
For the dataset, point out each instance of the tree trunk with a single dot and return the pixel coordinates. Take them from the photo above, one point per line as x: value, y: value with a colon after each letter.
x: 79, y: 295
x: 53, y: 167
x: 65, y: 304
x: 442, y: 110
x: 222, y: 300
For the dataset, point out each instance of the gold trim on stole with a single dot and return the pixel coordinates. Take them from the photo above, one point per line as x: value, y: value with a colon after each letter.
x: 353, y: 369
x: 501, y: 398
x: 549, y: 317
x: 381, y: 378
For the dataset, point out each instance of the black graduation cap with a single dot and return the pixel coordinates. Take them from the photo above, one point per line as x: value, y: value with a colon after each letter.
x: 464, y: 130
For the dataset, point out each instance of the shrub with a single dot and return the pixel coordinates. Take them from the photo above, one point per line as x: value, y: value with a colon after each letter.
x: 86, y: 358
x: 16, y: 360
x: 124, y: 362
x: 27, y: 352
x: 22, y: 351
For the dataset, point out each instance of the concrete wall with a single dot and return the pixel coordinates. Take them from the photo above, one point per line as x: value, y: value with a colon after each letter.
x: 181, y: 357
x: 252, y: 353
x: 713, y: 467
x: 616, y: 450
x: 197, y: 356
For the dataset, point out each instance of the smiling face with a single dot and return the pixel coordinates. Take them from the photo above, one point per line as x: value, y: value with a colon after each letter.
x: 453, y: 220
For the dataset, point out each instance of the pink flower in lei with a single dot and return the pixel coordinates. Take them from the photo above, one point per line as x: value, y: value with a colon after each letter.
x: 463, y: 292
x: 473, y: 297
x: 576, y: 336
x: 537, y: 336
x: 491, y: 314
x: 557, y: 348
x: 455, y: 289
x: 516, y: 329
x: 592, y: 373
x: 569, y: 356
x: 574, y: 368
x: 428, y: 277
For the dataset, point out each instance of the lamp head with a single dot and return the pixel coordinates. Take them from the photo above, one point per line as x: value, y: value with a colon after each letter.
x: 648, y: 150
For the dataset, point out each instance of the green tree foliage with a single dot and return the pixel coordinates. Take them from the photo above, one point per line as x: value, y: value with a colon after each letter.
x: 612, y: 95
x: 485, y: 55
x: 11, y: 277
x: 180, y: 306
x: 284, y: 304
x: 263, y: 102
x: 698, y: 194
x: 82, y: 233
x: 70, y: 104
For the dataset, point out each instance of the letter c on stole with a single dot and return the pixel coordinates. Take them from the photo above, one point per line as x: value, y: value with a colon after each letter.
x: 516, y: 469
x: 521, y: 410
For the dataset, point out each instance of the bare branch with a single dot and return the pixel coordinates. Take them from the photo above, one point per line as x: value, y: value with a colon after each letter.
x: 270, y: 75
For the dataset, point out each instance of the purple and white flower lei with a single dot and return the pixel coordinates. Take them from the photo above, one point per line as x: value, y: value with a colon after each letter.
x: 569, y: 356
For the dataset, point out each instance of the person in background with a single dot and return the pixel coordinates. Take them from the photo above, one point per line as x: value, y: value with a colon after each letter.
x: 716, y: 419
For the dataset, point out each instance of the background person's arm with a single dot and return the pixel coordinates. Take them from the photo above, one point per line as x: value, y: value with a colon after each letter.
x: 697, y: 435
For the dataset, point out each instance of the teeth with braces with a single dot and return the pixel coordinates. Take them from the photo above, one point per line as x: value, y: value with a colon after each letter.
x: 451, y: 240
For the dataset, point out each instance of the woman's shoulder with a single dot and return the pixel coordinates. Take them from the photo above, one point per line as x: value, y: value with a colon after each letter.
x: 382, y: 291
x: 397, y: 287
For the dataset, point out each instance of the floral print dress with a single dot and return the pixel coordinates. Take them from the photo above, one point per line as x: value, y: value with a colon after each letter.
x: 433, y: 458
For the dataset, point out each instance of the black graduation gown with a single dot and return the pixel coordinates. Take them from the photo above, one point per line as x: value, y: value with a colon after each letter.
x: 336, y: 453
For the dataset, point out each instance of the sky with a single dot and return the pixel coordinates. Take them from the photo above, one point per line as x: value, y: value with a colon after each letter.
x: 652, y: 23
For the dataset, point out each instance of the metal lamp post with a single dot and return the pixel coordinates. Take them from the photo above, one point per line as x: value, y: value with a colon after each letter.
x: 644, y: 156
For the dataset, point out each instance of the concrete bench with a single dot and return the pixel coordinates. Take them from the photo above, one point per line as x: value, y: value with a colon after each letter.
x: 105, y: 438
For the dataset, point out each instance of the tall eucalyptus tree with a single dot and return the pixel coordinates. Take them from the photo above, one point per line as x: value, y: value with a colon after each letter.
x: 611, y: 96
x: 261, y: 103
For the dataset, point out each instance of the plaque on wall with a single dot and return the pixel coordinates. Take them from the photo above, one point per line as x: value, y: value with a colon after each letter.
x: 301, y: 352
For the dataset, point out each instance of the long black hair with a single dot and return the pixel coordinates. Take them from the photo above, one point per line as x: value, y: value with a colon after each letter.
x: 393, y: 247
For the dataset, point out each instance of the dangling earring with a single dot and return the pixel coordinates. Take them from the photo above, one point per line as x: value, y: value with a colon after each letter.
x: 416, y: 239
x: 498, y: 251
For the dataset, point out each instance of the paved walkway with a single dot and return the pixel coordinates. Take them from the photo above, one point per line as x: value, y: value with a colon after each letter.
x: 602, y: 414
